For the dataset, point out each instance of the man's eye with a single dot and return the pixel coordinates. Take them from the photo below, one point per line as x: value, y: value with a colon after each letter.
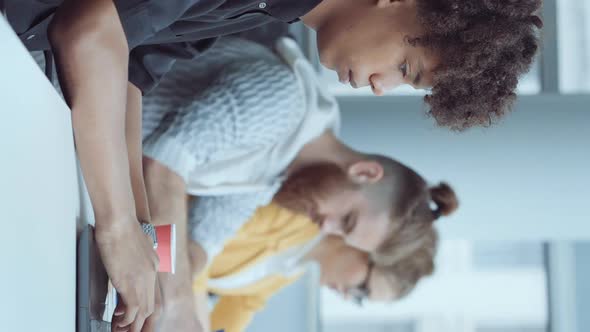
x: 403, y: 68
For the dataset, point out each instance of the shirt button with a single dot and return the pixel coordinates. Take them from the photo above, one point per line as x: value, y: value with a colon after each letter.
x: 30, y: 37
x: 262, y: 5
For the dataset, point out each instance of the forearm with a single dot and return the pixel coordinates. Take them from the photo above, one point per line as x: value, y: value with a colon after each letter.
x: 168, y: 205
x: 133, y: 136
x: 92, y: 61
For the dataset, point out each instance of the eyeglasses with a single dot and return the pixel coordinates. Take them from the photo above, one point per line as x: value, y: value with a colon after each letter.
x: 360, y: 293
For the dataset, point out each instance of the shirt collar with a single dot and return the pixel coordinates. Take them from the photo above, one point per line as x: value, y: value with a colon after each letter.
x: 290, y: 10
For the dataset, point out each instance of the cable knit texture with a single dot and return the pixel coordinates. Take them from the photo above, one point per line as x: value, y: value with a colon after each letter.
x: 248, y: 108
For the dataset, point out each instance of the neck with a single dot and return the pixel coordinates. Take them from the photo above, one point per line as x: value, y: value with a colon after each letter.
x: 315, y: 18
x: 324, y: 149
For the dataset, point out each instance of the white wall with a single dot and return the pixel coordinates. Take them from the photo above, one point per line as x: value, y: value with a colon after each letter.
x: 582, y: 255
x: 482, y: 297
x: 38, y: 197
x: 524, y: 179
x: 461, y: 296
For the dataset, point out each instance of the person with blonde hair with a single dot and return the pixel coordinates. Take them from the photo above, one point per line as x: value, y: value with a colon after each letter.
x: 277, y: 246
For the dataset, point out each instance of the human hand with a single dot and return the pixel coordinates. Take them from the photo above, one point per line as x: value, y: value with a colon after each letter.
x: 131, y: 263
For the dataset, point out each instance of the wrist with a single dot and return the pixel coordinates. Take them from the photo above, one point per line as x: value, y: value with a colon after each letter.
x: 114, y: 223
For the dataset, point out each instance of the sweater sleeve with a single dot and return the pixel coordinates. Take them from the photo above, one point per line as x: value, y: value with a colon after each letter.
x: 234, y: 313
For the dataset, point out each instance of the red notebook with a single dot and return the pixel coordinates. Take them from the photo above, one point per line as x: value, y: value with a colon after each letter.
x: 166, y: 249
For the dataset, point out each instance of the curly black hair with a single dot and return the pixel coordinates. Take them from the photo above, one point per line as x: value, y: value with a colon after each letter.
x: 484, y: 47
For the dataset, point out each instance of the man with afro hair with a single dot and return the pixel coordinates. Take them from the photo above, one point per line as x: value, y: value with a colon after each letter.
x: 469, y: 54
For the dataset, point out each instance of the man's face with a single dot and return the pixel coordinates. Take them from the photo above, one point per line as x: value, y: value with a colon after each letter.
x: 339, y: 204
x: 369, y: 46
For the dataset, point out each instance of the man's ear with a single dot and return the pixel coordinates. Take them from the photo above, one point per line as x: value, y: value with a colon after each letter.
x: 365, y: 171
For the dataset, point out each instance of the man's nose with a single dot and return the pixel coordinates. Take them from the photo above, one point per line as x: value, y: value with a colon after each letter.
x: 381, y: 83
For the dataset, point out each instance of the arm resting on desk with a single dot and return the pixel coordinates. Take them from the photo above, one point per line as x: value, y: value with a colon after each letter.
x: 92, y: 56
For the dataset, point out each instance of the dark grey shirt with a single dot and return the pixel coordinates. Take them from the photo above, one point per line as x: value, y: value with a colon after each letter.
x: 161, y: 31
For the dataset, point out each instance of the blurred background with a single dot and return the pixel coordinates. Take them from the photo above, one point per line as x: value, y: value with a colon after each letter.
x: 516, y: 257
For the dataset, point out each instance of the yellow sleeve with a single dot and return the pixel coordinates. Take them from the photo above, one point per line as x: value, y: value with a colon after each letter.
x: 200, y: 282
x: 234, y: 313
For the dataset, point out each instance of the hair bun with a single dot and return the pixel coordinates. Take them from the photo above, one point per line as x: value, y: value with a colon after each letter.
x: 445, y: 199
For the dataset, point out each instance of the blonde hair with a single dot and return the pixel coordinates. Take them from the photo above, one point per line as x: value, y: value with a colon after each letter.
x: 407, y: 254
x: 403, y: 272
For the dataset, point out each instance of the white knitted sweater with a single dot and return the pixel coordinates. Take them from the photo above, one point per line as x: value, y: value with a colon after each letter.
x: 230, y: 123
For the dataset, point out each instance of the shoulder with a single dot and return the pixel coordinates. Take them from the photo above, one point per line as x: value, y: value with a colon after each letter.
x: 269, y: 97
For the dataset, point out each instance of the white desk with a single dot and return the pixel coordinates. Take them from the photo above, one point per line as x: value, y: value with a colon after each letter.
x: 38, y: 197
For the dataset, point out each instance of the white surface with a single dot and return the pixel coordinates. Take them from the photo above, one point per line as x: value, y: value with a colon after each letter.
x: 459, y: 297
x: 38, y: 197
x: 573, y: 38
x: 516, y: 297
x: 562, y: 274
x: 481, y: 296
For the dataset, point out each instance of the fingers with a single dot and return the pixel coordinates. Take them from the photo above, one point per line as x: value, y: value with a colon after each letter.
x: 124, y: 316
x: 131, y: 320
x: 129, y: 316
x: 138, y: 323
x: 134, y: 318
x: 151, y: 322
x: 118, y: 317
x: 146, y: 320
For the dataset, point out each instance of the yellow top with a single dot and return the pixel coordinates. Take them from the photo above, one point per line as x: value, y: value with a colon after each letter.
x: 270, y: 231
